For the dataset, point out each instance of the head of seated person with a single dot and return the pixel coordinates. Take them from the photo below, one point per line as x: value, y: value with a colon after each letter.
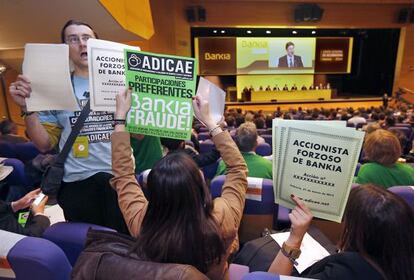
x: 389, y: 121
x: 383, y: 147
x: 259, y: 122
x: 246, y: 137
x: 230, y: 120
x: 379, y: 225
x: 178, y: 226
x: 8, y: 127
x: 172, y: 144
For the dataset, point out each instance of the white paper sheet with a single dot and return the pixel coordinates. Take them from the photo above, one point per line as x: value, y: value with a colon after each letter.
x: 55, y: 214
x: 106, y: 73
x: 215, y: 96
x: 47, y: 67
x: 5, y: 171
x: 312, y: 251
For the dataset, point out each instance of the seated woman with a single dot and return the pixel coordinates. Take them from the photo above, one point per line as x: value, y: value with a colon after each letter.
x: 382, y: 149
x: 180, y: 223
x: 37, y: 222
x: 377, y: 241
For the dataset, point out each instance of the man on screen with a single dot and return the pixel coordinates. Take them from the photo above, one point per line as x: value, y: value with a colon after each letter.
x: 290, y: 60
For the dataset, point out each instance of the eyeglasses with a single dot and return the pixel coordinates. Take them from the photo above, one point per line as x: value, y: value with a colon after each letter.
x: 76, y: 40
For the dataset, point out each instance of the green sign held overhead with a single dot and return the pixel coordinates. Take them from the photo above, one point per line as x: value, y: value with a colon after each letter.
x: 162, y: 91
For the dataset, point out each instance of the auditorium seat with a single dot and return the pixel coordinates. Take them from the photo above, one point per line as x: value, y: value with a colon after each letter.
x: 18, y: 176
x: 203, y: 129
x: 260, y: 275
x: 203, y: 136
x: 206, y: 146
x: 32, y: 258
x: 209, y: 171
x: 261, y: 131
x: 7, y: 150
x: 26, y: 151
x: 406, y: 192
x: 405, y: 130
x: 267, y: 138
x: 70, y: 237
x: 259, y: 206
x: 264, y: 149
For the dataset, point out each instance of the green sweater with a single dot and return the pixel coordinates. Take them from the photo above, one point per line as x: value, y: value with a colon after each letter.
x: 257, y: 166
x: 399, y: 174
x: 146, y: 152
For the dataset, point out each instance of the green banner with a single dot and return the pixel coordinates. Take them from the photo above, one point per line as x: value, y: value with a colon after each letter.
x: 162, y: 91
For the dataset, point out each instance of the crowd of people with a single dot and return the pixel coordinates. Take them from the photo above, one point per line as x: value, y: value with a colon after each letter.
x: 177, y: 221
x: 286, y: 88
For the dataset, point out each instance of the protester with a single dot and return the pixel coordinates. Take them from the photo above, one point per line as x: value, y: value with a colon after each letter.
x: 382, y: 148
x: 146, y: 150
x: 371, y: 245
x: 246, y: 139
x: 37, y: 221
x: 85, y: 194
x: 179, y: 223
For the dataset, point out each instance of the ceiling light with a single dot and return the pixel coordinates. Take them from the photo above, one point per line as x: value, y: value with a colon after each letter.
x: 249, y: 32
x: 294, y: 32
x: 214, y: 31
x: 268, y: 31
x: 313, y: 32
x: 222, y: 31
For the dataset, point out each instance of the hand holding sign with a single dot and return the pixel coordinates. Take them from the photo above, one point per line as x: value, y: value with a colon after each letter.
x: 202, y: 112
x: 300, y: 217
x: 123, y: 104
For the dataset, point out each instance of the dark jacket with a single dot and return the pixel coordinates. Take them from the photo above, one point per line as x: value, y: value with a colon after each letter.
x: 297, y: 60
x: 107, y: 255
x: 343, y: 266
x: 35, y: 225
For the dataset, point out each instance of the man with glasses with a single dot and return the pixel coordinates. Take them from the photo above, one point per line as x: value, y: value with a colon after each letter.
x: 85, y: 194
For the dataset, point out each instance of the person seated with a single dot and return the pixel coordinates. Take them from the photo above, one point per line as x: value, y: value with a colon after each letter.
x: 294, y: 87
x: 304, y: 88
x: 202, y: 160
x: 268, y: 88
x: 311, y: 87
x: 328, y: 86
x: 8, y: 133
x: 146, y: 150
x: 246, y: 140
x: 357, y: 119
x: 259, y: 122
x: 251, y: 88
x: 377, y: 225
x: 37, y: 222
x: 261, y: 88
x: 180, y: 223
x: 276, y: 88
x: 382, y: 149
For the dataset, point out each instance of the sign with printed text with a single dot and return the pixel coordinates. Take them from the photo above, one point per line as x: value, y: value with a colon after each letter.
x: 315, y: 162
x: 162, y: 91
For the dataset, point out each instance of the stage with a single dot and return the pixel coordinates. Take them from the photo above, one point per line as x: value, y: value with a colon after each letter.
x: 269, y: 107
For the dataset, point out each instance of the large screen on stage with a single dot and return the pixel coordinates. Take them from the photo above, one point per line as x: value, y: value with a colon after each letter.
x: 244, y: 55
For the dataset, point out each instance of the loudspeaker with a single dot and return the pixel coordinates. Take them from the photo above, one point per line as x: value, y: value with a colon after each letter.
x: 403, y: 15
x: 202, y: 14
x: 308, y: 13
x: 190, y: 14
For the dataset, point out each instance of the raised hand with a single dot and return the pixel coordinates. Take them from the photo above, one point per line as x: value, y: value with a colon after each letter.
x: 20, y: 90
x: 123, y: 104
x: 300, y: 217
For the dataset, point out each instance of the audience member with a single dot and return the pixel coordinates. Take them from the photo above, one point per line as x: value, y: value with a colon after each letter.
x: 371, y: 238
x: 382, y: 148
x: 146, y: 150
x: 85, y: 194
x: 357, y: 119
x: 36, y: 223
x: 179, y: 223
x: 246, y: 140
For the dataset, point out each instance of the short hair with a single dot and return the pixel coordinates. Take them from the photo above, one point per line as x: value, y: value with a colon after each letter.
x: 74, y: 22
x: 288, y: 44
x: 383, y: 147
x: 246, y: 137
x: 172, y: 144
x: 259, y: 122
x: 230, y: 121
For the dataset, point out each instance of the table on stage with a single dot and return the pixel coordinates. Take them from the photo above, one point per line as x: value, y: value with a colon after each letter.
x: 263, y: 96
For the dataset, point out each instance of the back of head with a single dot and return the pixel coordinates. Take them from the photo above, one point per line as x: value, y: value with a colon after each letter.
x: 383, y: 147
x: 379, y: 225
x: 8, y: 127
x: 230, y: 121
x: 259, y: 122
x: 172, y: 144
x: 178, y: 226
x: 246, y: 137
x: 390, y: 121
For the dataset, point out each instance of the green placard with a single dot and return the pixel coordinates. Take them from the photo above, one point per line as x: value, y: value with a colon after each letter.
x: 162, y: 91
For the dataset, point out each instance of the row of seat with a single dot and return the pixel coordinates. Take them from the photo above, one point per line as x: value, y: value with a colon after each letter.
x: 53, y: 256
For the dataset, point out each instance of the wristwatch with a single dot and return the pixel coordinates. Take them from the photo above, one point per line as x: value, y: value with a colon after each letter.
x: 291, y: 253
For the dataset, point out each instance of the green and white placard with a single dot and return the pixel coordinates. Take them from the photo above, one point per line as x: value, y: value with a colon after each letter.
x: 162, y: 91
